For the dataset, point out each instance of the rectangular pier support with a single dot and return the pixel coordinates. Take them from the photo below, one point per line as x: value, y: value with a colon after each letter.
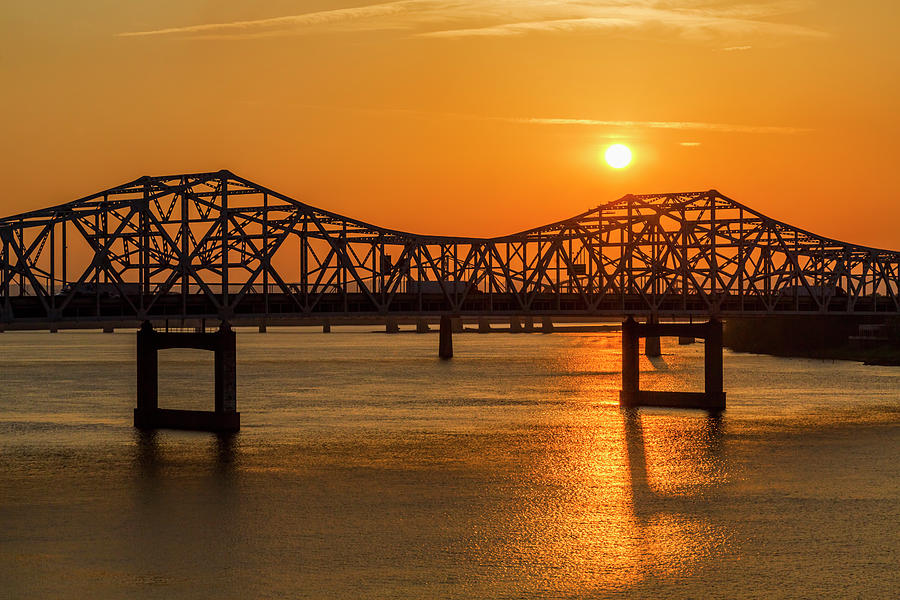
x: 193, y: 420
x: 698, y: 400
x: 652, y: 346
x: 148, y: 415
x: 546, y: 325
x: 456, y: 325
x: 484, y: 326
x: 445, y: 345
x: 713, y: 396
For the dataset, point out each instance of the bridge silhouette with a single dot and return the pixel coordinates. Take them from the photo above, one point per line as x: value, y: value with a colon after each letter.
x: 216, y: 246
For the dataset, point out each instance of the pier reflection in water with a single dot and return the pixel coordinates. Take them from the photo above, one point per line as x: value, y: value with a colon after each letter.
x: 610, y: 504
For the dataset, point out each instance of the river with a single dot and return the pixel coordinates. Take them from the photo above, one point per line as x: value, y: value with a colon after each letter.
x: 368, y: 468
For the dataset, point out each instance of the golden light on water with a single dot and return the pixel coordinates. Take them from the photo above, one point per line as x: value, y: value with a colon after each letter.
x: 618, y: 156
x: 615, y: 498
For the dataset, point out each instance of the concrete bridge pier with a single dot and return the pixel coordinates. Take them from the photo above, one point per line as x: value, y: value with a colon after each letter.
x: 422, y: 326
x: 262, y: 328
x: 631, y: 372
x: 686, y: 340
x: 652, y: 347
x: 445, y: 345
x: 714, y: 370
x: 712, y: 398
x: 529, y: 325
x: 484, y: 326
x: 515, y: 325
x: 546, y: 325
x: 391, y: 326
x: 326, y: 328
x: 148, y: 415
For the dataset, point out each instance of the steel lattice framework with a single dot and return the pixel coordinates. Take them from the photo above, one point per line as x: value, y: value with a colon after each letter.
x: 217, y: 245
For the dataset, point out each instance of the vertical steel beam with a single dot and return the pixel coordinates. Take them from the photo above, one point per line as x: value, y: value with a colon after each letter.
x: 266, y: 254
x: 184, y: 259
x: 223, y: 215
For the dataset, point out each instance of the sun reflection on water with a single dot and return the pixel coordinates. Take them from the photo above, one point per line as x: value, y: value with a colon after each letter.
x: 619, y: 497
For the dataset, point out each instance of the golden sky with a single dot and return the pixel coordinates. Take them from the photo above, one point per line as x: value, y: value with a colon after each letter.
x: 464, y: 117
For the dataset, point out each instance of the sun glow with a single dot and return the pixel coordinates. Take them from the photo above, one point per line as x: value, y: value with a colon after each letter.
x: 618, y: 156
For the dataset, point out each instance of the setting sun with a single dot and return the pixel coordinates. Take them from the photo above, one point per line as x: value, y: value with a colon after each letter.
x: 618, y: 156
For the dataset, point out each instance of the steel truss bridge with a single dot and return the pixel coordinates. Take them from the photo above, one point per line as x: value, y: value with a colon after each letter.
x: 218, y: 246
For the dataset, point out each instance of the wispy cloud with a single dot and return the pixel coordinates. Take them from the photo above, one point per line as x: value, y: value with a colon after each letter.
x: 736, y: 48
x: 689, y: 144
x: 695, y: 20
x: 276, y: 25
x: 682, y: 125
x: 617, y: 125
x: 692, y: 19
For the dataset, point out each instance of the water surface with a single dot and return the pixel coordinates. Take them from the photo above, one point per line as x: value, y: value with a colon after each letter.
x: 366, y: 467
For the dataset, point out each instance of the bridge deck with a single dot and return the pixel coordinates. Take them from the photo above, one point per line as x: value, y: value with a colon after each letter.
x: 89, y: 312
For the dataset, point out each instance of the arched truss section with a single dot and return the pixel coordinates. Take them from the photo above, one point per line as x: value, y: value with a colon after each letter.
x: 218, y: 245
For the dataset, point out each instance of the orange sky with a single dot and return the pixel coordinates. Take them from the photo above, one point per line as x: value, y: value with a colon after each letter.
x: 464, y: 117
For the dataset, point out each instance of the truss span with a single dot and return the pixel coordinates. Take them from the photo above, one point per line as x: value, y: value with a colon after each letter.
x: 216, y: 245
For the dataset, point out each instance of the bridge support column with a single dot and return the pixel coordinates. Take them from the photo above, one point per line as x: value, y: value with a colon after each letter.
x: 546, y: 325
x: 456, y: 325
x: 148, y: 415
x: 147, y: 373
x: 262, y: 328
x: 109, y: 330
x: 445, y: 345
x: 652, y: 346
x: 631, y: 372
x: 422, y: 326
x: 714, y: 372
x: 326, y: 328
x: 529, y: 325
x: 226, y: 370
x: 391, y: 326
x: 484, y: 325
x: 712, y: 398
x: 685, y: 340
x: 515, y: 325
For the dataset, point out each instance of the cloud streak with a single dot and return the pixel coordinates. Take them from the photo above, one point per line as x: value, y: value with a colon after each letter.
x: 680, y: 125
x: 276, y: 25
x: 569, y: 122
x: 691, y: 19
